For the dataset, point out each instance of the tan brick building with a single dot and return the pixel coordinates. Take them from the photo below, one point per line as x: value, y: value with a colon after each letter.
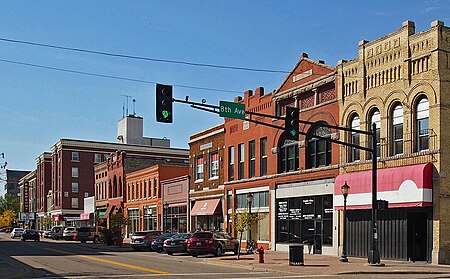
x: 400, y: 82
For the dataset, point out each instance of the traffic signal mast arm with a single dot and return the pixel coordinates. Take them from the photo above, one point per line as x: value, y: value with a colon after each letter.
x: 215, y: 109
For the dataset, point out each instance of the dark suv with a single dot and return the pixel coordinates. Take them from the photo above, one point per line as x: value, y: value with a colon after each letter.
x: 215, y: 243
x: 85, y: 234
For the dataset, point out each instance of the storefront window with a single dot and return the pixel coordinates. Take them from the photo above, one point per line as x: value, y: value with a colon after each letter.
x: 307, y: 220
x: 150, y: 218
x: 177, y: 219
x: 133, y: 215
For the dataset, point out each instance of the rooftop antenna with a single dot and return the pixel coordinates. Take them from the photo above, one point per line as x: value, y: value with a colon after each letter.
x: 126, y: 96
x: 123, y: 110
x: 134, y: 107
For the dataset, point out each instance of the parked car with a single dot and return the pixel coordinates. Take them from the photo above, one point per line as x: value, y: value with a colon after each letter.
x: 56, y: 232
x: 16, y: 232
x: 177, y: 243
x: 157, y: 243
x: 143, y: 239
x: 30, y: 234
x: 69, y: 233
x: 85, y: 234
x: 216, y: 243
x: 47, y: 234
x: 6, y: 229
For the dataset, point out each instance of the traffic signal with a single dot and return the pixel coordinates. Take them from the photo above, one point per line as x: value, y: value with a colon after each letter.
x: 291, y: 127
x: 164, y: 103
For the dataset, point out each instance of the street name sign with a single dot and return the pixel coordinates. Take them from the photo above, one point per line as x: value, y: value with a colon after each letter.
x: 232, y: 110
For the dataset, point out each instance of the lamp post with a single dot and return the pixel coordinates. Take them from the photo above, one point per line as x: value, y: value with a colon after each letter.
x: 249, y: 202
x: 345, y: 189
x: 166, y: 211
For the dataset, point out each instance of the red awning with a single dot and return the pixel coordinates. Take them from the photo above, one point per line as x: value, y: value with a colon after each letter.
x: 401, y: 187
x: 205, y: 207
x: 84, y: 216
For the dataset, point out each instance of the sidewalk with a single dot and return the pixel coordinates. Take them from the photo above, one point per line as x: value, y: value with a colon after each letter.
x: 326, y: 265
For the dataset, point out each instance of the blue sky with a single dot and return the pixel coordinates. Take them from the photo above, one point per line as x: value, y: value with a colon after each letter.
x: 40, y: 106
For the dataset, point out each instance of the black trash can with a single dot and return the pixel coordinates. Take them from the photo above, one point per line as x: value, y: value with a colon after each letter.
x: 296, y: 254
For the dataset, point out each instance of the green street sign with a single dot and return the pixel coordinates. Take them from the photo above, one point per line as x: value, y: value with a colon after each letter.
x: 232, y: 110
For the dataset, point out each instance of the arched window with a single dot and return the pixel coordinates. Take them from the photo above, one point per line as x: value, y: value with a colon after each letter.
x: 397, y: 130
x: 375, y: 119
x: 318, y: 150
x: 288, y: 156
x: 354, y: 138
x: 422, y: 125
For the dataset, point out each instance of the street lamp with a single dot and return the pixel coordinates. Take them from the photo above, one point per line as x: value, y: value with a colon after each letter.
x: 166, y: 211
x: 249, y: 202
x: 345, y: 189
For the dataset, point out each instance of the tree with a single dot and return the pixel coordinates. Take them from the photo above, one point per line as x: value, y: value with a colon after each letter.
x: 243, y: 221
x: 117, y: 224
x: 9, y: 202
x: 7, y: 218
x: 46, y: 222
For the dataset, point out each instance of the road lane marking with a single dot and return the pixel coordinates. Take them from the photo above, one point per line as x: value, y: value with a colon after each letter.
x: 111, y: 262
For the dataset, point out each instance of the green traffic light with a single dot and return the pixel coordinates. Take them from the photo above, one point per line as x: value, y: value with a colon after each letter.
x: 165, y: 113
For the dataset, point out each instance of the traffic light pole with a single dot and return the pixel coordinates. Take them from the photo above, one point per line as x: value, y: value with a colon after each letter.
x: 374, y: 254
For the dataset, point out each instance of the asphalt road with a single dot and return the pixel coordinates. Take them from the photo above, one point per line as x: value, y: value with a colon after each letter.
x: 62, y: 259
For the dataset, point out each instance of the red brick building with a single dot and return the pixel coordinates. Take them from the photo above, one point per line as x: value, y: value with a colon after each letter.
x: 43, y: 186
x: 73, y: 176
x: 291, y: 182
x: 206, y: 193
x: 143, y: 196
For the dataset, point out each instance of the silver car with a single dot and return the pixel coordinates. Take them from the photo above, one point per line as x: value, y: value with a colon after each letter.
x: 17, y: 232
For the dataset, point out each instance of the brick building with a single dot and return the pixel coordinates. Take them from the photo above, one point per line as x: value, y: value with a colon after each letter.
x: 400, y: 82
x: 12, y: 181
x: 143, y: 196
x: 43, y: 187
x: 291, y: 182
x: 206, y: 189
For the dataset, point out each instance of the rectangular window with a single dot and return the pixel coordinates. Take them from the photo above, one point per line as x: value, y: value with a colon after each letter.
x: 231, y: 163
x: 97, y: 158
x: 145, y: 189
x: 263, y: 154
x: 75, y: 156
x: 74, y: 172
x: 74, y: 202
x: 252, y: 159
x: 241, y: 158
x: 155, y: 188
x: 199, y: 168
x: 74, y: 187
x: 214, y: 165
x: 86, y: 194
x: 423, y: 134
x: 398, y: 139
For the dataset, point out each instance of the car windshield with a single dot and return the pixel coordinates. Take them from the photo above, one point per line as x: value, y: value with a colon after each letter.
x: 182, y: 235
x: 202, y: 235
x: 140, y: 233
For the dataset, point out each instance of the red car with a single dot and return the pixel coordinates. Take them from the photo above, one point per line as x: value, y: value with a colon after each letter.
x: 215, y: 243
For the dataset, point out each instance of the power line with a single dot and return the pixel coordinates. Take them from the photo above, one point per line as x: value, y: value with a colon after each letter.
x: 144, y: 58
x: 113, y: 77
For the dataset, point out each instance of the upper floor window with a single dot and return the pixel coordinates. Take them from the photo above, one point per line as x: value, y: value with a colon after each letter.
x: 74, y: 202
x: 288, y: 156
x: 252, y: 159
x: 155, y: 187
x: 375, y: 119
x: 241, y: 158
x: 263, y: 154
x: 231, y: 163
x: 354, y: 138
x: 74, y: 172
x: 318, y: 150
x: 397, y: 130
x: 97, y: 158
x: 214, y: 165
x: 199, y: 168
x: 422, y: 126
x: 75, y: 156
x: 74, y: 187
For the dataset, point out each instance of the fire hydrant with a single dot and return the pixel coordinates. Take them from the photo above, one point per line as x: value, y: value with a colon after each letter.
x: 260, y: 251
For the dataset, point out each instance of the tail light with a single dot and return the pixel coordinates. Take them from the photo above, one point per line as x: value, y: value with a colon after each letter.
x: 211, y: 240
x: 147, y: 237
x: 189, y: 241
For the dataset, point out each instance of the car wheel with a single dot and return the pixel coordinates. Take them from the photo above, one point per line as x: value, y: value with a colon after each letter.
x: 96, y: 240
x: 218, y: 251
x: 236, y: 249
x: 195, y: 255
x: 159, y: 251
x: 170, y: 253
